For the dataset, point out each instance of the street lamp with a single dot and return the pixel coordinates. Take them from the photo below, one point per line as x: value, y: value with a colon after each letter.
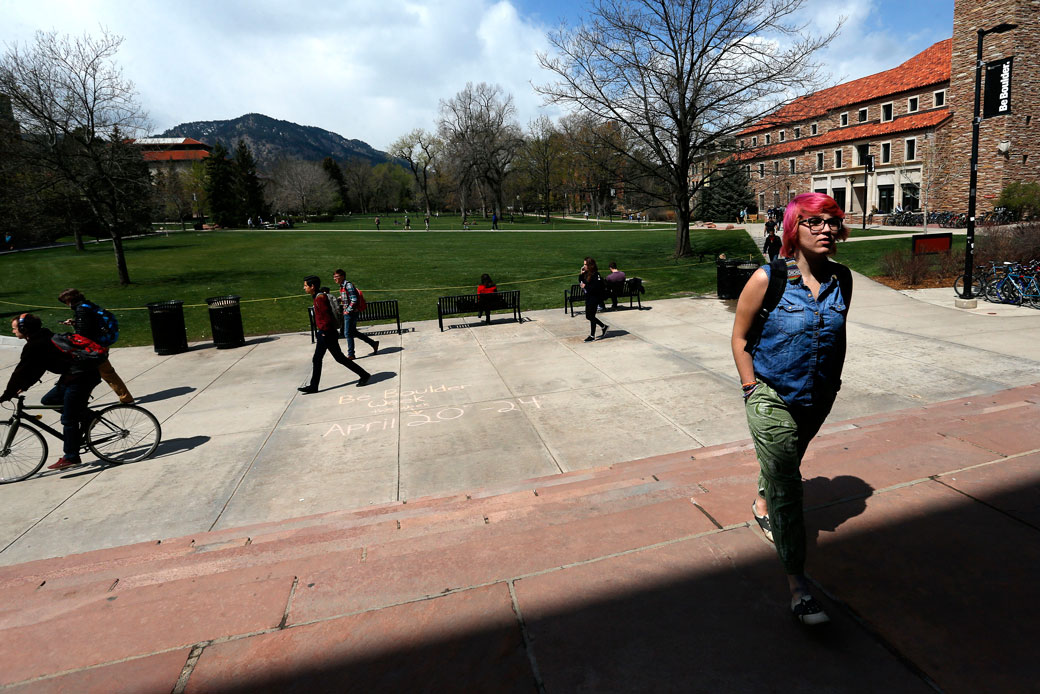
x: 973, y: 178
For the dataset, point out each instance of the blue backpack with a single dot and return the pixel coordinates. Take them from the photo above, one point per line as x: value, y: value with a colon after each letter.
x: 108, y: 326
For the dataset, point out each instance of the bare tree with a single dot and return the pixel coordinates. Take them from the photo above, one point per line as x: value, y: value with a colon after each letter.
x: 301, y: 186
x: 680, y: 78
x: 595, y: 159
x: 420, y: 150
x: 938, y: 168
x: 541, y: 158
x: 358, y: 174
x: 77, y: 113
x: 479, y: 125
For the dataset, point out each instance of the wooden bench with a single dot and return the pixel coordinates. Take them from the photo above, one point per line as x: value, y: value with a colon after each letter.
x: 471, y: 303
x: 374, y: 310
x: 632, y: 288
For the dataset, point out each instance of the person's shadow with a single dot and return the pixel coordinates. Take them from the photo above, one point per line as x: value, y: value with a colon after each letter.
x: 841, y: 498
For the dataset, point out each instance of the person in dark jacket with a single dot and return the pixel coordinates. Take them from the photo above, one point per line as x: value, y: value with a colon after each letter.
x: 71, y: 392
x: 772, y: 245
x: 326, y: 339
x: 85, y: 323
x: 486, y: 287
x: 595, y: 292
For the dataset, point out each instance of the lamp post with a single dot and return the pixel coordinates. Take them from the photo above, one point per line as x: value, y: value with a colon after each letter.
x: 973, y: 177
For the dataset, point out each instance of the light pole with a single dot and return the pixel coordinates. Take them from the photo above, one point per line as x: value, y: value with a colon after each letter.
x: 973, y: 177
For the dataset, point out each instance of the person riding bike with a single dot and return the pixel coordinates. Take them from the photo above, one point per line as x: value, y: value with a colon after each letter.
x: 71, y: 392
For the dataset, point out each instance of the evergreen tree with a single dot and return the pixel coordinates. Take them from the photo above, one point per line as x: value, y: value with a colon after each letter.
x: 220, y: 186
x: 336, y: 176
x: 728, y: 193
x: 249, y: 189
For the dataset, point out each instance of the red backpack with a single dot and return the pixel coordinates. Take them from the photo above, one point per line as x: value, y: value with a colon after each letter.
x: 79, y: 350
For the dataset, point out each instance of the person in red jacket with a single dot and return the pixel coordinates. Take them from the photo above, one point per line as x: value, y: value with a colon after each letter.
x: 326, y: 336
x: 486, y: 286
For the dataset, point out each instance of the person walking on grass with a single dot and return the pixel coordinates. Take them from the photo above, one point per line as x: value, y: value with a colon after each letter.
x: 348, y: 297
x: 595, y: 292
x: 87, y: 320
x: 326, y: 339
x: 790, y: 364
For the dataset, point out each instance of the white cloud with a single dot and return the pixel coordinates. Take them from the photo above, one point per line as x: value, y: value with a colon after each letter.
x: 366, y: 70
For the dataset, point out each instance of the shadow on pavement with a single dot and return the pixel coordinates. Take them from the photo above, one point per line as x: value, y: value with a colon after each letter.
x: 928, y: 600
x: 175, y: 446
x: 164, y: 394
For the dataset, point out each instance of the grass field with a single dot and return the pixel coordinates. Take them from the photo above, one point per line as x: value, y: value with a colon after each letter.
x: 865, y: 256
x: 266, y: 269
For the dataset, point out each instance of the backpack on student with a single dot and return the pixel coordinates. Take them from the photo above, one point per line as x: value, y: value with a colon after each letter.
x: 336, y: 306
x: 361, y: 303
x: 79, y: 350
x: 108, y: 326
x: 775, y: 290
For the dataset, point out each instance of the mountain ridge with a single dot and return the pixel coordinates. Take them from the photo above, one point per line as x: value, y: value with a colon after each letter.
x: 271, y: 139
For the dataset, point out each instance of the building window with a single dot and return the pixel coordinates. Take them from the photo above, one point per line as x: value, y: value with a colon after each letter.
x: 754, y: 141
x: 843, y: 119
x: 743, y: 143
x: 761, y: 170
x: 768, y: 137
x: 886, y: 112
x: 776, y: 167
x: 783, y: 135
x: 886, y: 152
x: 790, y: 165
x: 911, y: 196
x: 747, y: 170
x: 819, y: 161
x: 910, y: 152
x: 837, y: 159
x: 912, y: 104
x: 939, y: 98
x: 862, y: 152
x: 814, y: 129
x: 797, y: 133
x: 863, y: 115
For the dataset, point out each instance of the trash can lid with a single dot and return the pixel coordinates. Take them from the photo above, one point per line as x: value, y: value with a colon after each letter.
x: 159, y: 305
x: 229, y: 300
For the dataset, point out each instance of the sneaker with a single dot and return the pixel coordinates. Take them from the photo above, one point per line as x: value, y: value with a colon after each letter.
x: 590, y: 338
x: 363, y: 380
x: 350, y: 357
x: 129, y: 400
x: 307, y: 390
x: 63, y: 463
x: 763, y: 522
x: 605, y: 328
x: 375, y: 347
x: 807, y: 610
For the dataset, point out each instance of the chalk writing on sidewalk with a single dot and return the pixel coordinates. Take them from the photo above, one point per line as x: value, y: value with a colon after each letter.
x: 424, y: 416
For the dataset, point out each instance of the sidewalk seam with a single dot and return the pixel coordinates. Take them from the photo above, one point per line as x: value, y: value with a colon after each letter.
x: 189, y: 666
x: 539, y: 683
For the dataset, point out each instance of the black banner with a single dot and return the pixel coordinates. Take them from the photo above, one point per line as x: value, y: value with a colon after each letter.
x: 997, y: 96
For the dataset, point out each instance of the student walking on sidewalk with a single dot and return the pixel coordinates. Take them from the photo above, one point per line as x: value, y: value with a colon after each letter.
x: 348, y: 298
x: 326, y: 337
x: 789, y: 347
x: 595, y: 292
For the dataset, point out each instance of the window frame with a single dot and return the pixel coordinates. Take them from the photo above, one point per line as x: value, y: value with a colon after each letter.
x: 883, y: 145
x: 761, y: 170
x: 792, y: 166
x: 935, y: 94
x: 891, y: 112
x: 783, y: 136
x: 814, y: 129
x: 860, y: 156
x: 797, y: 132
x: 776, y: 166
x: 769, y: 138
x: 743, y: 144
x: 862, y: 115
x: 754, y: 140
x: 913, y: 98
x: 843, y: 119
x: 905, y: 143
x: 839, y: 158
x: 820, y: 163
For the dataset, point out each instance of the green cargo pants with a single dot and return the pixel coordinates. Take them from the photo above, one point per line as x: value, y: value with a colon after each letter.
x: 782, y: 434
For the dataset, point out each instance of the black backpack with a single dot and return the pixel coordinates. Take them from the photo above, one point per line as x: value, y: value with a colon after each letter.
x: 107, y: 325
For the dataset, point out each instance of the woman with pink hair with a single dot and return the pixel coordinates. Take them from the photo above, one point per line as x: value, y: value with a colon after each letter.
x: 789, y: 358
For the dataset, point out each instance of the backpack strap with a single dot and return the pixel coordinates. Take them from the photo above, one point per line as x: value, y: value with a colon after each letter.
x: 844, y: 282
x: 778, y: 277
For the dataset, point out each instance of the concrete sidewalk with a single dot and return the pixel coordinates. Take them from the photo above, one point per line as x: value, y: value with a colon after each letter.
x: 470, y: 407
x: 645, y: 576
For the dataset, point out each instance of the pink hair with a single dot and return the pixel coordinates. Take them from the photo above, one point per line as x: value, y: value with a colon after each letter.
x: 803, y: 206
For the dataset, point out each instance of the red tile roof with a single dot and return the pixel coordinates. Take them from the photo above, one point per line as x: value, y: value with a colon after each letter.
x: 916, y: 121
x: 931, y: 66
x: 175, y: 155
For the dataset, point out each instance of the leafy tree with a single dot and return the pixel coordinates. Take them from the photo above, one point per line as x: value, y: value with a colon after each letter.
x: 78, y: 116
x: 1023, y: 199
x: 221, y: 186
x: 679, y: 78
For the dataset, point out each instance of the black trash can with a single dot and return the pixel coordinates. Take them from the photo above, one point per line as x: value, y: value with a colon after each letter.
x: 225, y: 318
x: 168, y: 333
x: 731, y: 276
x: 741, y: 274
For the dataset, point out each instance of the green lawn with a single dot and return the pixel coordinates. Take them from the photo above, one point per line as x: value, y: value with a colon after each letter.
x: 266, y: 269
x: 865, y: 256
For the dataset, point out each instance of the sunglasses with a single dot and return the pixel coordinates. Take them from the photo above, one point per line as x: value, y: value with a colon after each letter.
x: 818, y: 224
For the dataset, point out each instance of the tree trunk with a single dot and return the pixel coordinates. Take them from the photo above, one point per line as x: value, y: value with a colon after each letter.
x: 682, y: 228
x: 117, y: 247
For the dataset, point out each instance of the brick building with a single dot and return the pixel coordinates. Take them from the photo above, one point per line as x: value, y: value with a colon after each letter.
x: 172, y: 153
x: 915, y: 120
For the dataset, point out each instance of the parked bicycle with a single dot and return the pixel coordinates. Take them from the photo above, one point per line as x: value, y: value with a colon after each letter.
x: 116, y: 434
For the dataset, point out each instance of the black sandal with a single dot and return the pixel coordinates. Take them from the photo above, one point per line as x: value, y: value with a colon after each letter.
x: 808, y: 610
x: 763, y: 522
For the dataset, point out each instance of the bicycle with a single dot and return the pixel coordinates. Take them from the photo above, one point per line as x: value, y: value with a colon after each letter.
x: 116, y: 434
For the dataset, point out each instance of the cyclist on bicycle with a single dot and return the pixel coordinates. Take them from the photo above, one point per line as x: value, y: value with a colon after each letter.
x: 71, y: 392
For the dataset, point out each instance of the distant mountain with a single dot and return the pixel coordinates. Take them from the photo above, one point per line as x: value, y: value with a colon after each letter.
x: 271, y: 139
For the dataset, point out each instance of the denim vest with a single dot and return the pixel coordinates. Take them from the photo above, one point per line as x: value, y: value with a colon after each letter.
x: 801, y: 350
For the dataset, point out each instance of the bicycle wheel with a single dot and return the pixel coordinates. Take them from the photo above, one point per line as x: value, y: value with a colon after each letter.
x: 123, y: 434
x: 24, y: 456
x: 976, y: 286
x: 1008, y: 293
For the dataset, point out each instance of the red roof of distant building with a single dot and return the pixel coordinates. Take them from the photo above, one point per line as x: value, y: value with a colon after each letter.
x: 931, y: 66
x: 175, y: 155
x: 916, y: 121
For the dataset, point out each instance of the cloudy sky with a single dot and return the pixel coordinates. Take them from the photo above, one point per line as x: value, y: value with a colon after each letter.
x: 375, y: 69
